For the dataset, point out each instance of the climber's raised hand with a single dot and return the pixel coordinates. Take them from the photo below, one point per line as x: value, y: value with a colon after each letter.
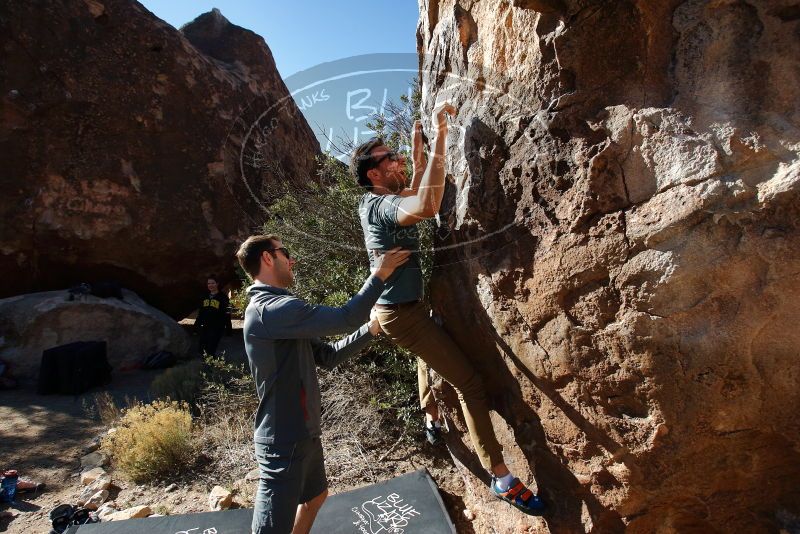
x: 440, y: 113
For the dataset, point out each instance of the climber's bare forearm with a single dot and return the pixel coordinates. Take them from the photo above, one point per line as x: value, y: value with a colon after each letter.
x: 432, y: 183
x: 415, y: 181
x: 418, y: 159
x: 424, y: 200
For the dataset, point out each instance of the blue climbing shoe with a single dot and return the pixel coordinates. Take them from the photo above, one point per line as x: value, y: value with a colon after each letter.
x: 520, y: 497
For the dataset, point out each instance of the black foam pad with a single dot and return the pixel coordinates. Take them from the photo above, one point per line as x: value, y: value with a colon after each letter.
x: 408, y: 504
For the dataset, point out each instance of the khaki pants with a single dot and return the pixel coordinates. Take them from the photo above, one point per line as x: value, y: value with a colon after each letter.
x: 411, y: 327
x: 426, y: 398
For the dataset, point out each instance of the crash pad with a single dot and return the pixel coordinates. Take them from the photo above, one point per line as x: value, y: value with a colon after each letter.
x: 408, y: 504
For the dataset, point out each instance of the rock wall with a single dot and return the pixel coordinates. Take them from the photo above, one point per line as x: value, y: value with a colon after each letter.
x: 619, y: 254
x: 122, y: 146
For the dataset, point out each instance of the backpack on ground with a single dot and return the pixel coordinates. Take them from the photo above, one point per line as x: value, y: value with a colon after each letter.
x: 64, y: 516
x: 160, y: 360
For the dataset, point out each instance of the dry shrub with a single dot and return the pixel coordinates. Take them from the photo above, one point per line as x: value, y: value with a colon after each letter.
x: 179, y: 383
x: 356, y: 429
x: 359, y: 426
x: 104, y: 407
x: 227, y: 404
x: 152, y: 441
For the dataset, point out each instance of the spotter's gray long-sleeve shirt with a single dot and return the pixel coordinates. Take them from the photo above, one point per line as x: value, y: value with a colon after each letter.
x: 281, y: 336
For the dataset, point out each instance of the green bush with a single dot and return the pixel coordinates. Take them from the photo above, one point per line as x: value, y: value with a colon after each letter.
x: 226, y: 406
x: 220, y: 375
x: 152, y: 441
x: 180, y: 383
x: 239, y: 298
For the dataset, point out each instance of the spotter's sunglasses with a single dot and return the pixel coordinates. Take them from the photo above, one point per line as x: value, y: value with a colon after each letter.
x: 282, y: 249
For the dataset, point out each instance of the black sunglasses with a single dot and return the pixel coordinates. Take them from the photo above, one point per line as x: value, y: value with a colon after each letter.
x: 393, y: 155
x: 282, y: 249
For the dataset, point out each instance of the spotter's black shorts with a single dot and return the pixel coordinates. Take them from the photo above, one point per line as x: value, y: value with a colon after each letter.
x: 291, y: 474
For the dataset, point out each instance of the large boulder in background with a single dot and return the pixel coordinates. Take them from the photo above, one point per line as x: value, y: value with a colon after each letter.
x: 133, y: 151
x: 619, y: 255
x: 131, y: 328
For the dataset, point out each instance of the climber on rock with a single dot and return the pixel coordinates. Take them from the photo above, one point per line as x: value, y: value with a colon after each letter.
x: 389, y: 211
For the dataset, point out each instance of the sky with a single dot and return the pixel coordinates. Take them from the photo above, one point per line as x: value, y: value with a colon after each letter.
x: 305, y: 33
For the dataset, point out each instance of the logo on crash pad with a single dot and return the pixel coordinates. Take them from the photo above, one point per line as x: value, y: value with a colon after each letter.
x: 384, y: 515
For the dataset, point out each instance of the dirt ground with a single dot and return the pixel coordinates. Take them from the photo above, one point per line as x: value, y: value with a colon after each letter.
x: 44, y: 437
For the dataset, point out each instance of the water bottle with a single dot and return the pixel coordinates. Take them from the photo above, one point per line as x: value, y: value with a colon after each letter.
x: 9, y: 485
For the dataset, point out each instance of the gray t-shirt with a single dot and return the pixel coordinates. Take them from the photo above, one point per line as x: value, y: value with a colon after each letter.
x: 378, y: 214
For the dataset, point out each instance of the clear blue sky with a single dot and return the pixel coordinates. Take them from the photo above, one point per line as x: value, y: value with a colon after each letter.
x: 304, y: 33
